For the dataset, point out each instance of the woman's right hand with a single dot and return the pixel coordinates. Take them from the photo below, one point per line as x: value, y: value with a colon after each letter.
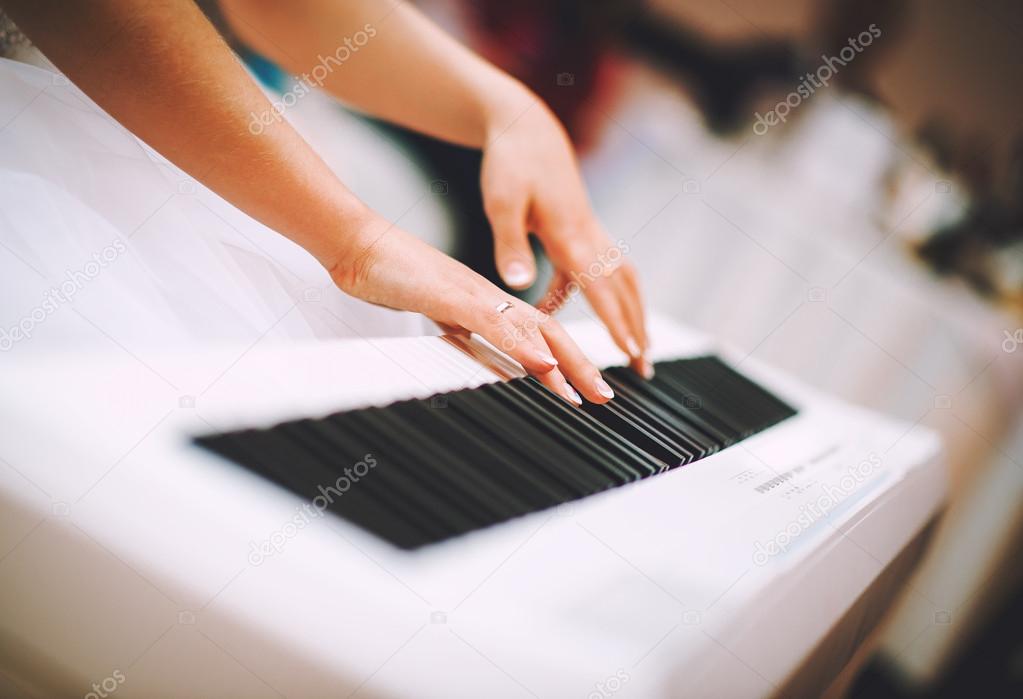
x: 392, y: 268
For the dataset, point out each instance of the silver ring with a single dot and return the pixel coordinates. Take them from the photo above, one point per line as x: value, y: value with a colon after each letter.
x: 503, y: 306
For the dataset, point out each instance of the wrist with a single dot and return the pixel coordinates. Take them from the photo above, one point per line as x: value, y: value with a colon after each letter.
x: 353, y: 233
x: 505, y: 106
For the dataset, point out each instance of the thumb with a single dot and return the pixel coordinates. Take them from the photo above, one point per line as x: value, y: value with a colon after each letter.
x: 514, y: 258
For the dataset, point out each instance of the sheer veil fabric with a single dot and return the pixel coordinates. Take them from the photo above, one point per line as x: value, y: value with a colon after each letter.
x: 104, y: 241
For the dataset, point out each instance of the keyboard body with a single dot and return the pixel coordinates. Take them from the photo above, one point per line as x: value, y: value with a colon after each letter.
x: 126, y: 546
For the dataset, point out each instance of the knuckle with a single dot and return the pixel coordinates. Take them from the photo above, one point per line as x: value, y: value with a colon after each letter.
x: 630, y: 273
x: 521, y: 318
x: 491, y: 318
x: 578, y: 251
x: 501, y: 203
x: 550, y: 325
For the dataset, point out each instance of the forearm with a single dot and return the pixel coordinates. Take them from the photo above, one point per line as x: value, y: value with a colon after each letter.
x: 385, y: 59
x: 163, y: 72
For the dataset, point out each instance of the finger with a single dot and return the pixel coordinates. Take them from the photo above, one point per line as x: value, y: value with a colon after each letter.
x: 512, y: 254
x: 529, y: 321
x: 605, y: 302
x: 498, y: 329
x: 555, y: 381
x: 632, y: 306
x: 574, y: 365
x: 556, y: 295
x: 632, y: 303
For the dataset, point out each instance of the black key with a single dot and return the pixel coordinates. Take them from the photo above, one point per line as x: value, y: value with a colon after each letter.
x: 430, y: 464
x: 487, y: 453
x: 276, y: 459
x: 659, y: 423
x: 542, y: 446
x: 717, y: 391
x: 705, y: 402
x: 693, y: 423
x: 689, y: 408
x: 592, y: 457
x: 364, y: 502
x: 768, y: 408
x: 623, y: 455
x: 471, y: 476
x: 517, y: 448
x: 328, y: 435
x: 703, y: 444
x: 647, y: 465
x: 618, y: 421
x: 419, y: 481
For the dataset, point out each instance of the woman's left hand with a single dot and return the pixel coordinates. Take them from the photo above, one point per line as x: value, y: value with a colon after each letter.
x: 531, y: 184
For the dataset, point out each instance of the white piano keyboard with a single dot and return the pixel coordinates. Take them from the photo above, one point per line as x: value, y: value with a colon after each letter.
x: 126, y: 547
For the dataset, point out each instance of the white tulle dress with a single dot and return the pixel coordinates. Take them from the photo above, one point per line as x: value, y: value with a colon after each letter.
x: 103, y: 242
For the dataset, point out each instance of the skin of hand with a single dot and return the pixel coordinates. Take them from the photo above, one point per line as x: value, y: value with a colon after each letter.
x: 163, y: 72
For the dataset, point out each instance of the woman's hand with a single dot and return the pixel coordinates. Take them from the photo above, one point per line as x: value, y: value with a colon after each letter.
x: 436, y: 86
x: 391, y: 268
x: 531, y: 183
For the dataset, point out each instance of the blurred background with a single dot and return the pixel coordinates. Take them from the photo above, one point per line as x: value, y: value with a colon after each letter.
x: 835, y: 187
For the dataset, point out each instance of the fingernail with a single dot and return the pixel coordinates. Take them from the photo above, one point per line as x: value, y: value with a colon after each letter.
x: 547, y: 359
x: 517, y: 274
x: 603, y: 389
x: 573, y: 395
x: 647, y: 369
x: 632, y: 348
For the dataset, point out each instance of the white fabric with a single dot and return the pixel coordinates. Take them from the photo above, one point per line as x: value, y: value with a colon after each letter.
x: 142, y: 255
